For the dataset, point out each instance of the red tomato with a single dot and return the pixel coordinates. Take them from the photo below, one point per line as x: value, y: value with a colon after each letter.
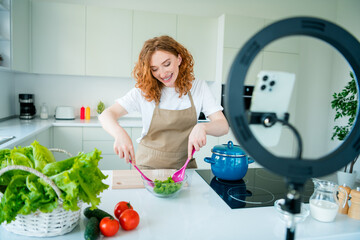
x: 121, y: 207
x: 129, y: 219
x: 109, y: 227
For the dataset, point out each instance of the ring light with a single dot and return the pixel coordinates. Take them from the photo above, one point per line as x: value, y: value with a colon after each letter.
x: 295, y: 170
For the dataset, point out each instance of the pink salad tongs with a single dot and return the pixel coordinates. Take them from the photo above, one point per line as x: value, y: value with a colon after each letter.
x: 150, y: 182
x: 179, y: 175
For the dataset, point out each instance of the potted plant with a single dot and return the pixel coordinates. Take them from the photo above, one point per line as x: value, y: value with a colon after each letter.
x: 345, y: 104
x: 100, y: 107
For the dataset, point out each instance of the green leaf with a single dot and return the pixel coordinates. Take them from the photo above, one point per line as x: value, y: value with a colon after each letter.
x: 345, y: 105
x: 78, y: 178
x: 42, y: 156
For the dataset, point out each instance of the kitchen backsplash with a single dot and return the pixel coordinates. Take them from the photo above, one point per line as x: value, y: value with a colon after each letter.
x: 75, y: 91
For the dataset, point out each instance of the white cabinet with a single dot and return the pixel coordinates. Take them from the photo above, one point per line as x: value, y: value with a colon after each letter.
x: 58, y: 38
x: 25, y: 142
x: 284, y: 45
x: 255, y: 68
x: 20, y: 22
x: 199, y: 36
x: 148, y: 25
x: 5, y: 34
x: 44, y: 138
x: 238, y: 30
x: 108, y: 41
x: 97, y: 137
x: 135, y: 134
x: 69, y: 139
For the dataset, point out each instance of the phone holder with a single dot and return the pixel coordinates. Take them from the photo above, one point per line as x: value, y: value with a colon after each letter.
x: 268, y: 119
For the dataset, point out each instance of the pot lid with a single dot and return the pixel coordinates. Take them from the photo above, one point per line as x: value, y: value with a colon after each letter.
x: 228, y: 149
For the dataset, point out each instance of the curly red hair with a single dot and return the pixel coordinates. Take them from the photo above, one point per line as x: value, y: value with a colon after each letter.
x: 149, y: 85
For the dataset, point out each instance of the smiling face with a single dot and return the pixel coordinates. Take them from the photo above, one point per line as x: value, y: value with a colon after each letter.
x: 165, y: 67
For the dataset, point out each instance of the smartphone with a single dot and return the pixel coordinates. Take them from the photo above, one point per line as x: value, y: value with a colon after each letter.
x: 272, y: 94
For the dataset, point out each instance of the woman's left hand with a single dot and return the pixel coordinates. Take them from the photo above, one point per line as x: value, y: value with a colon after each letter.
x: 197, y: 138
x: 217, y: 126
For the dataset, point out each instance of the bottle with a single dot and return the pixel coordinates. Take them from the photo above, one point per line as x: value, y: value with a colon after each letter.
x: 82, y: 113
x: 87, y: 113
x: 44, y: 112
x: 342, y: 196
x: 354, y: 210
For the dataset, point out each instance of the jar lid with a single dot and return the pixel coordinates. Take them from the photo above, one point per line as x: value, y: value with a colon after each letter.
x: 228, y: 150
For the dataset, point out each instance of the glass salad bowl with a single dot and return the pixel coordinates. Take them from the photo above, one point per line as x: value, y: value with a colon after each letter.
x: 285, y: 216
x: 163, y: 186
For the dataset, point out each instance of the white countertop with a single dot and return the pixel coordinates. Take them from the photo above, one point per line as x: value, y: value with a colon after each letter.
x: 24, y: 129
x: 199, y: 213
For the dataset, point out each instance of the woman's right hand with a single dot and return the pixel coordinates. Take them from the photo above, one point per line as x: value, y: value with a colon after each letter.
x: 123, y: 147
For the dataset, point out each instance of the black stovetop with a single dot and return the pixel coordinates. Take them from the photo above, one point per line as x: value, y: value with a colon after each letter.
x: 259, y: 188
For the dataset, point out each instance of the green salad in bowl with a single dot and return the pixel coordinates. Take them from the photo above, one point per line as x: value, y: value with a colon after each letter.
x: 164, y: 188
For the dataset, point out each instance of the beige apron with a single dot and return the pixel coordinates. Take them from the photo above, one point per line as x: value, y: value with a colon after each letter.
x: 166, y: 143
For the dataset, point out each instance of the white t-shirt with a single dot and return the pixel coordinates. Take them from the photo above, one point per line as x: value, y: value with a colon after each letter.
x: 203, y: 99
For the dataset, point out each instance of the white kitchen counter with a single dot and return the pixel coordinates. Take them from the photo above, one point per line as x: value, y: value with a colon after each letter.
x: 25, y: 129
x: 199, y: 213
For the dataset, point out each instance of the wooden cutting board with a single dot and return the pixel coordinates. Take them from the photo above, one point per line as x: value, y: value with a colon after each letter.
x: 125, y: 179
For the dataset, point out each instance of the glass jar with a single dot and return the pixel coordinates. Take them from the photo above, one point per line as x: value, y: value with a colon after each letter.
x: 324, y: 203
x: 44, y: 114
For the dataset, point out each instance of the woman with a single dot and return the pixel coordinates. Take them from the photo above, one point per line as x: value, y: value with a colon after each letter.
x: 170, y: 101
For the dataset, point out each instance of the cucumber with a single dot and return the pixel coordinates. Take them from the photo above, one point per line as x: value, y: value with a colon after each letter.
x: 98, y: 213
x: 92, y: 229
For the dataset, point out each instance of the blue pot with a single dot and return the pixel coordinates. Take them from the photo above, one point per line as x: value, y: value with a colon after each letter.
x: 228, y: 161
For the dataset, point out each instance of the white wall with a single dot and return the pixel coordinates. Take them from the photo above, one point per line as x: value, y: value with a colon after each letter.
x: 349, y: 18
x: 7, y: 96
x: 73, y: 91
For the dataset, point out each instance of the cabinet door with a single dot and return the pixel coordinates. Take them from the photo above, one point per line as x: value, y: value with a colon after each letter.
x: 97, y: 137
x: 5, y: 34
x: 239, y: 29
x: 108, y: 41
x: 199, y: 36
x: 255, y: 67
x: 58, y: 38
x: 20, y: 21
x: 149, y: 25
x: 26, y: 142
x: 69, y: 139
x: 44, y: 138
x: 135, y: 134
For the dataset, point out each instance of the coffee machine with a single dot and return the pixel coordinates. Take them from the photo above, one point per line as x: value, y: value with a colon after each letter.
x: 27, y: 107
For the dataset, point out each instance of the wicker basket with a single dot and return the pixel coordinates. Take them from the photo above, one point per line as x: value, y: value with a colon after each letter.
x: 39, y: 224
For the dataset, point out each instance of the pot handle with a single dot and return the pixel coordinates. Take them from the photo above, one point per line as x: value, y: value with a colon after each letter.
x: 250, y: 160
x: 209, y: 160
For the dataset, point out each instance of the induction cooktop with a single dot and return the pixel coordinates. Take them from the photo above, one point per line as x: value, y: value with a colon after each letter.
x: 259, y: 188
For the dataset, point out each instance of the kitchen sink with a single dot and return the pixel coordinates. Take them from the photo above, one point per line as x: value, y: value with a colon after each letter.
x: 6, y: 139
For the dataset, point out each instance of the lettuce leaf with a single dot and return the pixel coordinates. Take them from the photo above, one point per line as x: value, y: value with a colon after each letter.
x: 83, y: 180
x: 42, y: 156
x: 78, y: 178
